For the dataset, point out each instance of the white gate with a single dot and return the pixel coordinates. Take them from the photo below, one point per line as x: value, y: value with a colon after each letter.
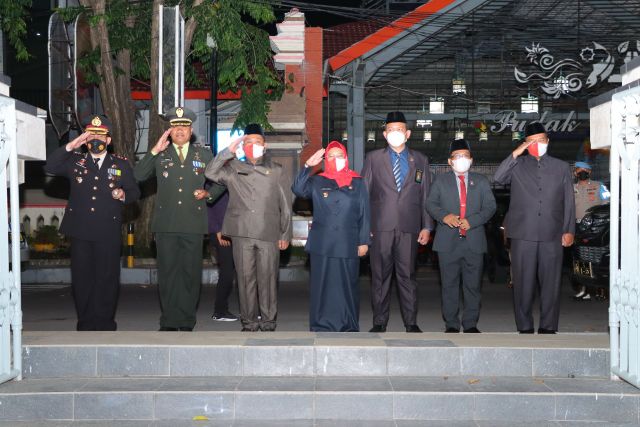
x: 10, y: 306
x: 624, y: 308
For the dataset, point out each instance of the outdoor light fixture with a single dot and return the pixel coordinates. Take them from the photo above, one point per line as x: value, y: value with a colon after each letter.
x: 345, y: 136
x: 529, y: 104
x: 426, y: 136
x: 515, y: 136
x: 459, y: 134
x: 371, y: 136
x: 484, y: 137
x: 436, y: 105
x: 423, y: 123
x: 459, y: 88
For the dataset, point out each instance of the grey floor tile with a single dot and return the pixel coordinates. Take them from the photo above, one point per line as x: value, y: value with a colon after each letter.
x: 495, y: 361
x: 277, y: 384
x: 351, y: 361
x: 587, y: 385
x: 622, y: 409
x: 427, y: 362
x: 111, y: 423
x: 354, y: 406
x: 279, y: 342
x: 430, y: 384
x: 109, y: 406
x: 185, y: 406
x: 514, y: 407
x: 571, y: 362
x: 418, y: 343
x: 43, y: 385
x: 435, y: 423
x: 133, y: 361
x: 211, y: 361
x: 278, y: 361
x: 433, y: 406
x: 355, y: 423
x: 40, y: 362
x: 274, y: 405
x: 58, y: 406
x: 347, y: 335
x: 507, y: 385
x: 200, y: 384
x: 499, y: 423
x: 272, y: 423
x: 593, y: 424
x: 192, y: 423
x: 121, y: 384
x: 35, y: 423
x: 353, y: 384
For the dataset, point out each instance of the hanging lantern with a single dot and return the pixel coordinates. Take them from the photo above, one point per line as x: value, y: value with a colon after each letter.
x: 426, y: 136
x: 529, y: 104
x: 371, y: 136
x: 436, y: 106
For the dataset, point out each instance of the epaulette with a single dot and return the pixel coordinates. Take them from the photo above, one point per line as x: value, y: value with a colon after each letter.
x: 117, y: 156
x: 78, y: 153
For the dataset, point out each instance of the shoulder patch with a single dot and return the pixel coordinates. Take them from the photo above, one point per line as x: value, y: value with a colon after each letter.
x: 117, y: 156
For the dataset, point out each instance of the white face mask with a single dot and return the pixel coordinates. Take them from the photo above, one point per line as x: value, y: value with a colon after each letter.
x: 396, y: 139
x: 461, y: 165
x: 542, y: 149
x: 258, y: 151
x: 340, y: 164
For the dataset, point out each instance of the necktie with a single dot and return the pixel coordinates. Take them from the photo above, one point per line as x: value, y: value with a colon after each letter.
x: 396, y: 171
x: 463, y: 202
x: 96, y: 161
x: 180, y: 155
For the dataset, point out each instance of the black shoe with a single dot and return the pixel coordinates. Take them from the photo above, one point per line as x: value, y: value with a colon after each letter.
x: 167, y: 328
x: 451, y: 331
x: 473, y: 330
x: 185, y: 329
x: 583, y: 297
x: 378, y: 328
x: 546, y: 331
x: 526, y: 331
x: 224, y: 317
x: 413, y: 329
x: 248, y: 330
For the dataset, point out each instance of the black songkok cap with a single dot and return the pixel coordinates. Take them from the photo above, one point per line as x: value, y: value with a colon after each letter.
x: 253, y: 129
x: 395, y: 117
x: 534, y: 129
x: 459, y: 144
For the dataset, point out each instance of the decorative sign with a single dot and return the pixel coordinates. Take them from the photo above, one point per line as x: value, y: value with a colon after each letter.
x: 594, y: 65
x: 506, y: 120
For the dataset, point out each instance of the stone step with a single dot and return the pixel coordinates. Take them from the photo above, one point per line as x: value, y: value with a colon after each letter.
x: 464, y: 398
x: 282, y: 354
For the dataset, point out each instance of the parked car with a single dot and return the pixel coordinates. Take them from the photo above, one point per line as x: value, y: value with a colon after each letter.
x: 24, y: 250
x: 590, y: 261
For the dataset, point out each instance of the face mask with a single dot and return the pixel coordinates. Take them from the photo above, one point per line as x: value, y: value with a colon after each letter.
x: 396, y: 139
x: 96, y: 146
x: 254, y: 151
x: 461, y: 165
x: 583, y: 176
x: 537, y: 150
x: 340, y: 164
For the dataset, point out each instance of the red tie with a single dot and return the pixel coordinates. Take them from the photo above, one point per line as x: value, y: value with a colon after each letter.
x: 463, y: 202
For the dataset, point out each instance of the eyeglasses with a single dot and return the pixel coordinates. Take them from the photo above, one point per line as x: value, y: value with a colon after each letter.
x: 460, y: 156
x: 334, y: 156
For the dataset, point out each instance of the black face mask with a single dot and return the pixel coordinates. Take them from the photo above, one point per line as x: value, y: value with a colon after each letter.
x: 96, y: 146
x: 583, y: 176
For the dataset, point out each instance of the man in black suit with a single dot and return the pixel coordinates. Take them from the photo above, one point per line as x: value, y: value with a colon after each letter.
x: 101, y: 183
x: 541, y: 220
x: 398, y: 181
x: 461, y: 202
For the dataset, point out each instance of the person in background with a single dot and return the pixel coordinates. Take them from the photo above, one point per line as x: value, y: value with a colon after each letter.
x: 541, y: 221
x: 101, y: 184
x: 461, y: 202
x: 339, y: 235
x: 587, y: 194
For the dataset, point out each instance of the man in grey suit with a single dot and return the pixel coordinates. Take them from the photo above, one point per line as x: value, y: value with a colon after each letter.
x: 461, y: 202
x: 540, y: 221
x: 398, y: 181
x: 258, y: 220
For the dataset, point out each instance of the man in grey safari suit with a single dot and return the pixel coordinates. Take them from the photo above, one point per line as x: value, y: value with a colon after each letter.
x: 398, y: 181
x: 461, y: 202
x: 258, y: 221
x: 540, y: 221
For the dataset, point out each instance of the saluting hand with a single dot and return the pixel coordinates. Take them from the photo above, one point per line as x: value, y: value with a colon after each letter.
x: 233, y: 147
x: 362, y: 250
x: 518, y: 151
x: 79, y: 141
x: 315, y: 159
x: 162, y: 144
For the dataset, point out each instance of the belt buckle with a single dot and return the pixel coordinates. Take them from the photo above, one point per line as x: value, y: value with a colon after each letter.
x: 462, y: 236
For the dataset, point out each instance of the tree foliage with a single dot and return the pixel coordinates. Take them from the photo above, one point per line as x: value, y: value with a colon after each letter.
x: 13, y: 22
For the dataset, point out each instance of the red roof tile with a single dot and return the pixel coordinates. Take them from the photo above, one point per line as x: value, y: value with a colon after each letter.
x: 336, y: 39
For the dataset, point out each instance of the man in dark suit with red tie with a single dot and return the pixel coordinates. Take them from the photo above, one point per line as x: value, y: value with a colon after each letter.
x: 398, y: 181
x: 461, y: 202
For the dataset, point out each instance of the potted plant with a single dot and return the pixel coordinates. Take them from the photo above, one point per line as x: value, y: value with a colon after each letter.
x: 46, y: 239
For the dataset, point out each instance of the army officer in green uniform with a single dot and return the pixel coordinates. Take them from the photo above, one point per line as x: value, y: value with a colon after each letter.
x: 180, y: 217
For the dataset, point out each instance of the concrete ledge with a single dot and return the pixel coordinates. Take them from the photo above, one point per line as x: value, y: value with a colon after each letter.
x: 146, y: 275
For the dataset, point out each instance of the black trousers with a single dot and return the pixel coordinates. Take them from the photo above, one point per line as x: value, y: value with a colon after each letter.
x: 394, y: 250
x: 464, y: 265
x: 536, y: 266
x: 226, y: 274
x: 95, y: 278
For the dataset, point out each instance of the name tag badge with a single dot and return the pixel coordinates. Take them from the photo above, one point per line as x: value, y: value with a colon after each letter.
x: 419, y: 174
